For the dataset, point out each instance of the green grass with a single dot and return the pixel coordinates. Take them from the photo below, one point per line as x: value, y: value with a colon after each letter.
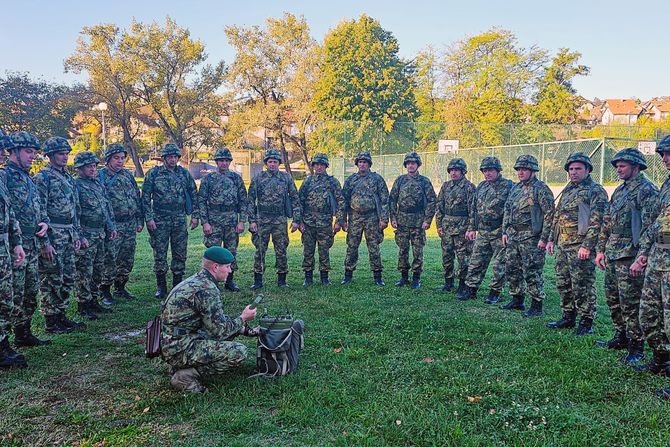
x: 381, y: 366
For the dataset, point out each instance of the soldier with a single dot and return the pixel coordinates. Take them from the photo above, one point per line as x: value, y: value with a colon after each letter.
x: 273, y: 198
x: 124, y: 197
x: 320, y: 199
x: 366, y: 209
x: 223, y: 208
x: 96, y: 222
x: 617, y: 247
x: 196, y: 334
x: 412, y: 207
x: 453, y: 209
x: 168, y: 195
x: 485, y: 229
x: 574, y: 232
x: 529, y: 211
x: 57, y: 270
x: 30, y: 213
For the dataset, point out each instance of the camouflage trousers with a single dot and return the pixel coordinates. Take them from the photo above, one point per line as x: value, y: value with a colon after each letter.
x: 26, y: 284
x: 416, y: 238
x: 487, y: 248
x: 455, y: 246
x: 374, y: 236
x: 311, y: 237
x: 525, y: 263
x: 120, y: 254
x: 210, y: 357
x: 575, y: 281
x: 261, y: 240
x: 223, y: 235
x: 169, y: 230
x: 90, y: 263
x: 655, y: 301
x: 57, y: 276
x: 6, y: 299
x: 622, y: 294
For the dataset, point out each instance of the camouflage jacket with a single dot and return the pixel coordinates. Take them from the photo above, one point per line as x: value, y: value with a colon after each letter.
x: 95, y: 211
x: 193, y: 310
x: 616, y: 237
x: 366, y: 194
x: 272, y: 198
x: 412, y: 201
x: 564, y: 228
x: 488, y: 204
x: 454, y: 206
x: 517, y: 221
x: 321, y: 198
x: 58, y: 194
x: 168, y: 192
x: 25, y: 200
x: 659, y: 218
x: 222, y: 199
x: 9, y: 225
x: 123, y: 195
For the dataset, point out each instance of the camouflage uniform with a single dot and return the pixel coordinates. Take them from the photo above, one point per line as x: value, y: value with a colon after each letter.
x: 10, y: 237
x: 411, y: 205
x: 453, y: 209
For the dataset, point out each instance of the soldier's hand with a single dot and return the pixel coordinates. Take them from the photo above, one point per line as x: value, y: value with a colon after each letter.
x: 82, y: 243
x: 345, y: 227
x: 248, y: 314
x: 336, y: 228
x: 48, y: 253
x: 394, y: 223
x: 19, y: 255
x: 239, y: 229
x: 541, y: 244
x: 440, y: 231
x: 638, y: 267
x: 583, y: 253
x: 505, y: 239
x: 600, y: 261
x: 253, y: 227
x: 471, y: 235
x: 194, y: 223
x: 113, y: 235
x: 425, y: 225
x: 42, y: 229
x: 383, y: 224
x: 139, y: 228
x: 207, y: 229
x: 550, y: 247
x: 151, y: 225
x: 302, y: 228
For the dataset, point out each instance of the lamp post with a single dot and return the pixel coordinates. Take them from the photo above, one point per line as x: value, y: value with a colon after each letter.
x: 102, y: 107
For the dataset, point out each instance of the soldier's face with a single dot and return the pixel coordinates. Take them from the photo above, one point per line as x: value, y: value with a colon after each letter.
x: 117, y: 161
x: 24, y: 157
x: 625, y: 170
x: 89, y: 171
x: 490, y: 174
x: 221, y: 271
x: 666, y: 159
x: 319, y: 168
x: 272, y: 164
x: 363, y: 166
x: 455, y: 174
x: 59, y: 159
x: 411, y: 167
x: 524, y: 174
x: 577, y: 171
x: 223, y: 164
x: 171, y: 161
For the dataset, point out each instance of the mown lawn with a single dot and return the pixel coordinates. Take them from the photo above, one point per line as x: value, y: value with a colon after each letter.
x: 381, y: 366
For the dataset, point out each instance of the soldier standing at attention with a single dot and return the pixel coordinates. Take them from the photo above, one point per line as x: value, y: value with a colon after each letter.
x: 575, y: 229
x: 617, y: 247
x: 30, y: 213
x: 223, y: 208
x: 58, y: 194
x: 273, y: 198
x: 451, y: 218
x: 529, y: 211
x: 485, y: 229
x: 320, y: 199
x: 168, y: 195
x: 366, y: 206
x: 96, y: 222
x: 124, y: 196
x: 412, y: 207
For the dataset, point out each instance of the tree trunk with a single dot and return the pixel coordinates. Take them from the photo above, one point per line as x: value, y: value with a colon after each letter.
x: 130, y: 145
x: 284, y: 154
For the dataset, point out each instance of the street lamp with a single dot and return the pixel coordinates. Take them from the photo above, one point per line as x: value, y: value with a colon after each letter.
x: 102, y: 107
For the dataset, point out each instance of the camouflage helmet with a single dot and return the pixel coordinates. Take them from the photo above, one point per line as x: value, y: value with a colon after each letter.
x: 272, y: 153
x: 5, y: 142
x: 170, y: 149
x: 490, y: 163
x: 412, y: 156
x: 580, y: 157
x: 320, y: 158
x: 23, y: 139
x: 663, y: 145
x: 527, y: 162
x: 55, y: 144
x: 112, y: 149
x: 631, y: 155
x: 458, y: 163
x: 85, y: 158
x: 223, y: 153
x: 363, y: 156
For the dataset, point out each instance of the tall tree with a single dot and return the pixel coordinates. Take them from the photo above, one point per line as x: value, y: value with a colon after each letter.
x: 430, y: 103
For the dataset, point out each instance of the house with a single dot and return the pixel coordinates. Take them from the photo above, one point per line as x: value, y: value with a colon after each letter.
x: 589, y: 112
x: 657, y: 109
x: 621, y: 111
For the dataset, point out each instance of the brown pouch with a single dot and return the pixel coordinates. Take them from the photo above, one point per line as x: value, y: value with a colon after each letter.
x: 152, y: 347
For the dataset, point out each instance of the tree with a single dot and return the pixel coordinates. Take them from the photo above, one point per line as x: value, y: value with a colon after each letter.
x: 429, y: 129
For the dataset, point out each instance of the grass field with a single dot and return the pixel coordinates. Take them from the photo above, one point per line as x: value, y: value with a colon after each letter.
x: 381, y: 366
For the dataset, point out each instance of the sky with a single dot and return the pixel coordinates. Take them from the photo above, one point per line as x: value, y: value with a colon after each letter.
x: 625, y: 43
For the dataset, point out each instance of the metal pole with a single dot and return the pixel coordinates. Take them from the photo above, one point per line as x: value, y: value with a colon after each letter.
x: 602, y: 161
x: 104, y: 129
x: 543, y: 175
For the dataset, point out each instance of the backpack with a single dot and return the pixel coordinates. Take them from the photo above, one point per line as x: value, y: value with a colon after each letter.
x: 279, y: 344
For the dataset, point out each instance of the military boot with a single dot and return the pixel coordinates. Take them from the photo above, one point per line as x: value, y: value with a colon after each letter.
x: 657, y: 365
x: 9, y: 358
x: 324, y: 278
x: 120, y: 290
x: 468, y: 293
x: 448, y: 285
x: 258, y: 281
x: 664, y: 393
x: 176, y: 279
x: 161, y: 287
x: 377, y: 276
x: 515, y: 303
x: 187, y: 380
x: 348, y: 276
x: 618, y: 341
x: 74, y: 325
x: 635, y: 352
x: 52, y: 325
x: 24, y: 337
x: 585, y: 327
x: 309, y: 278
x: 230, y: 283
x: 404, y: 279
x: 98, y: 309
x: 85, y: 311
x: 535, y: 310
x: 281, y: 280
x: 493, y: 297
x: 107, y: 298
x: 566, y: 322
x: 416, y: 281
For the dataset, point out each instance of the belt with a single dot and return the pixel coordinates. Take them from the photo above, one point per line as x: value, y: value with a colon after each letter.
x: 95, y: 224
x: 224, y: 208
x: 60, y: 226
x: 567, y: 230
x: 411, y: 210
x: 176, y: 331
x: 60, y: 220
x: 662, y: 238
x: 271, y: 210
x: 168, y: 209
x: 490, y: 224
x: 456, y: 213
x: 366, y: 213
x: 28, y: 232
x: 124, y: 219
x: 522, y: 226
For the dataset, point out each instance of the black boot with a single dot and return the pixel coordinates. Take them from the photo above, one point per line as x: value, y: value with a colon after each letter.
x: 515, y: 303
x: 74, y: 325
x: 566, y: 322
x: 585, y: 327
x: 493, y: 297
x: 635, y: 352
x: 404, y: 279
x: 25, y: 339
x: 161, y: 287
x: 535, y: 310
x: 107, y: 298
x: 348, y: 276
x: 377, y: 276
x: 467, y: 293
x: 309, y: 278
x: 416, y: 281
x: 448, y: 285
x: 281, y: 280
x: 657, y: 365
x: 176, y: 279
x: 258, y: 281
x: 230, y: 283
x: 85, y: 311
x: 10, y: 358
x: 52, y: 325
x: 324, y: 277
x: 98, y: 309
x: 618, y: 341
x: 120, y: 290
x: 664, y: 393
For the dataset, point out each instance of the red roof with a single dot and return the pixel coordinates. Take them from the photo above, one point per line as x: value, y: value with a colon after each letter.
x: 623, y: 106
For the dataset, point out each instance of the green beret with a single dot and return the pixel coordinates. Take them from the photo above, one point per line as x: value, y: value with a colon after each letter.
x: 219, y: 255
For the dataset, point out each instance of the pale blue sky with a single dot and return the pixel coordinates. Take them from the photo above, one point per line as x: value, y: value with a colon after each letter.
x: 625, y: 43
